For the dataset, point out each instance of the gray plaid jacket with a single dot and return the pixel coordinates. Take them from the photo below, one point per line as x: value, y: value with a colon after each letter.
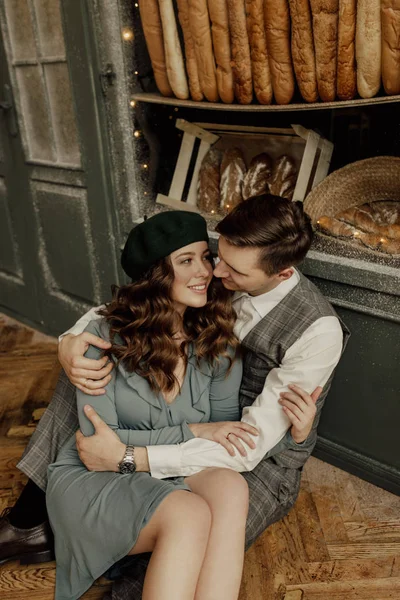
x: 274, y: 483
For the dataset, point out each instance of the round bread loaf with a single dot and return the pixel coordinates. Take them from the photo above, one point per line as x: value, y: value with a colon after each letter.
x: 303, y: 49
x: 233, y: 170
x: 391, y: 46
x: 218, y: 11
x: 173, y: 51
x: 346, y: 57
x: 368, y: 47
x: 190, y: 54
x: 277, y: 28
x: 325, y: 30
x: 258, y: 51
x: 152, y: 29
x: 257, y: 177
x: 240, y: 50
x: 208, y: 187
x: 283, y: 177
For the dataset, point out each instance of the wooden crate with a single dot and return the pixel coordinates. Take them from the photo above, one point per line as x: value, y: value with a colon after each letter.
x: 310, y: 151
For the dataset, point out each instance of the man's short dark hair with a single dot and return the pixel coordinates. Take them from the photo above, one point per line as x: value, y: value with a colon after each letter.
x: 279, y: 227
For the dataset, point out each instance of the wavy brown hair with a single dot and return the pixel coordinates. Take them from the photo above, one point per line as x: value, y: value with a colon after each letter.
x: 142, y: 314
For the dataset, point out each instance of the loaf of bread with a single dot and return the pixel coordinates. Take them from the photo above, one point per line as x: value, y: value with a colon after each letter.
x: 277, y: 27
x: 346, y: 55
x: 218, y: 12
x: 201, y: 34
x: 257, y: 177
x: 258, y: 51
x: 303, y: 49
x: 152, y: 29
x: 173, y: 52
x: 387, y: 212
x: 372, y: 218
x: 391, y: 46
x: 283, y: 177
x: 335, y: 227
x: 233, y: 170
x: 368, y: 47
x: 240, y: 51
x: 325, y: 29
x: 190, y: 54
x: 208, y: 187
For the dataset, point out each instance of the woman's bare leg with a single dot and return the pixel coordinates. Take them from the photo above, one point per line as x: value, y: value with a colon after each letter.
x: 227, y: 495
x: 177, y: 535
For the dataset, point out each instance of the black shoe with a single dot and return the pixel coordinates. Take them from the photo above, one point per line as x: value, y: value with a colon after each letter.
x: 29, y: 546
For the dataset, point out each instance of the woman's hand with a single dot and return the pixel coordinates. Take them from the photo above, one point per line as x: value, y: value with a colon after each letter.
x: 227, y: 433
x: 88, y: 375
x: 300, y: 408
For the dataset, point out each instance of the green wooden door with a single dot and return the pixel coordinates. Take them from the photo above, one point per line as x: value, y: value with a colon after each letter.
x: 57, y: 216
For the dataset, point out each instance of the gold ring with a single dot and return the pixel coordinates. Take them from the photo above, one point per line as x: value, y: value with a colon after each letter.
x: 227, y: 437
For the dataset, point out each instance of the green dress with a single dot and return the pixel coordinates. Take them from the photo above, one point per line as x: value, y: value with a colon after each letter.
x: 97, y: 517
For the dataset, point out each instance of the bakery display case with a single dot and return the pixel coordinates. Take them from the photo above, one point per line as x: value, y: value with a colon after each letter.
x: 358, y: 430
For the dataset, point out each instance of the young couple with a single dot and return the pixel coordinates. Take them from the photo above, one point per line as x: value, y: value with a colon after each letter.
x: 176, y: 376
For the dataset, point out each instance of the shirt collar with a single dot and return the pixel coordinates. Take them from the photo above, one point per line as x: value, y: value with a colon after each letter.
x: 262, y: 303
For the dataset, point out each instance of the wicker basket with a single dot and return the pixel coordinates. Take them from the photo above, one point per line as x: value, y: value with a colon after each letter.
x: 364, y: 181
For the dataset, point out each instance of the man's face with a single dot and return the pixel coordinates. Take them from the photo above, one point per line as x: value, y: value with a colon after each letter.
x: 239, y: 269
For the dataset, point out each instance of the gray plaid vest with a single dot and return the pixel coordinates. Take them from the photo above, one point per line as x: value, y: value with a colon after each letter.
x: 266, y: 344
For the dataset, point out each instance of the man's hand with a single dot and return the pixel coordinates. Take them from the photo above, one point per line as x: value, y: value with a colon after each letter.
x: 90, y: 376
x: 226, y: 433
x: 300, y: 408
x: 103, y: 450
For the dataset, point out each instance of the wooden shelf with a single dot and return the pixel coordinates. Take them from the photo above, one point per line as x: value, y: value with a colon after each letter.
x: 158, y: 99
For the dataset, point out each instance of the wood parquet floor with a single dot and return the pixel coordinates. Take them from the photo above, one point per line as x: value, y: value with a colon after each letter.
x: 341, y: 541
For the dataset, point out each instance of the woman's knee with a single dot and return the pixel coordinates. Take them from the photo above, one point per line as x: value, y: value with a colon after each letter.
x: 186, y: 511
x: 230, y: 489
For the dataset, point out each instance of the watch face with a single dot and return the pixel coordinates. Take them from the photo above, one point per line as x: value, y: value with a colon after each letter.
x: 127, y: 467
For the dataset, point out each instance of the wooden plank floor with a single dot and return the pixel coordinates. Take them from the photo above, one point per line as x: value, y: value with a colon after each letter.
x: 341, y: 541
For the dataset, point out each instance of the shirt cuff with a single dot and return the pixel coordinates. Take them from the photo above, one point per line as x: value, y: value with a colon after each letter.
x: 164, y: 461
x: 187, y: 432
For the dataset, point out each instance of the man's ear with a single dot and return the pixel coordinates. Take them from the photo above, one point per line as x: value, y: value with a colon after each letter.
x: 285, y: 274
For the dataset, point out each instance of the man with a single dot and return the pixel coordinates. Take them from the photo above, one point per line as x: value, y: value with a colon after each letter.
x: 290, y: 335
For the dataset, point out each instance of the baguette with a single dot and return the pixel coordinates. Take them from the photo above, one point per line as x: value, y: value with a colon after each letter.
x: 240, y: 49
x: 335, y: 227
x: 190, y: 54
x: 303, y: 49
x: 152, y: 29
x: 258, y: 51
x: 201, y: 33
x: 173, y: 52
x: 277, y: 28
x: 369, y: 219
x: 325, y: 30
x: 218, y: 11
x: 346, y: 57
x: 391, y: 46
x: 368, y: 47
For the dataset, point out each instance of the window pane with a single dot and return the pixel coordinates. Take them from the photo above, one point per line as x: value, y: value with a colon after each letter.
x: 35, y: 113
x: 51, y: 36
x: 62, y: 113
x: 19, y: 22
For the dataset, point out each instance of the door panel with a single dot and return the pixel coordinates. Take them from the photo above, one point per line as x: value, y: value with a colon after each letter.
x: 58, y: 226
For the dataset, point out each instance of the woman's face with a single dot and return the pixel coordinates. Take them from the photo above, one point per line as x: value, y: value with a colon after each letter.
x: 193, y: 273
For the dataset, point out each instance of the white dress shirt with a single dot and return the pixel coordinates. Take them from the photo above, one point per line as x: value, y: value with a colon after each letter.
x: 308, y: 363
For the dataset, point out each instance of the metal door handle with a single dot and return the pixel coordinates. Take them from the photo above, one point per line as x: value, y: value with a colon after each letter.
x: 8, y: 107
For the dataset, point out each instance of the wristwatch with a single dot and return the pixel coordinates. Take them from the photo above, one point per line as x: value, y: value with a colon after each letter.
x: 128, y: 464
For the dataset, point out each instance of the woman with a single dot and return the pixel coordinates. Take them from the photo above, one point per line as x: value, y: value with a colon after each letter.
x: 172, y: 340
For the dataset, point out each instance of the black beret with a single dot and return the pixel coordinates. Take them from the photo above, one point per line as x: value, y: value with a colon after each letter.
x: 158, y: 236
